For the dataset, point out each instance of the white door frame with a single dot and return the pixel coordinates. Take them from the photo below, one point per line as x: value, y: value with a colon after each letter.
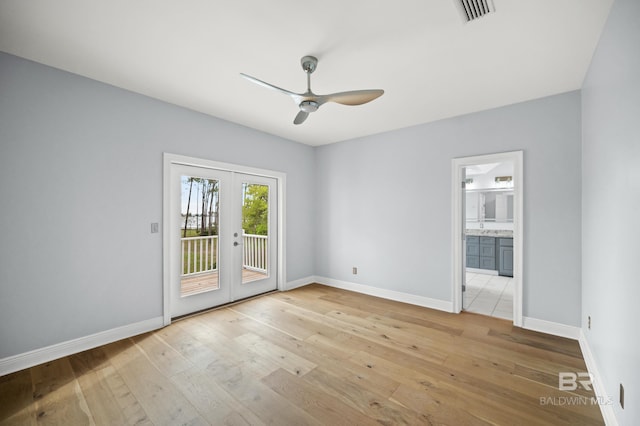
x: 168, y: 160
x: 516, y: 157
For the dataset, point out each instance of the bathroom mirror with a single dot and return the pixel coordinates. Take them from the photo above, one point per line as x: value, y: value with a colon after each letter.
x: 489, y: 205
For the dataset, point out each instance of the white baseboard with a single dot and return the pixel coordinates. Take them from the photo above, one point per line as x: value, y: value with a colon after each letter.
x: 596, y: 381
x: 38, y: 356
x: 301, y: 282
x: 398, y: 296
x: 554, y: 328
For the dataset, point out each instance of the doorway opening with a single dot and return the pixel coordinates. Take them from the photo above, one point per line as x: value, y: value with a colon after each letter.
x: 487, y: 236
x: 223, y: 234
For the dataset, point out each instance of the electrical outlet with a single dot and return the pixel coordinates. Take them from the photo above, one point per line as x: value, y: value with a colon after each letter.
x: 154, y: 227
x: 589, y: 322
x: 355, y: 271
x: 622, y: 396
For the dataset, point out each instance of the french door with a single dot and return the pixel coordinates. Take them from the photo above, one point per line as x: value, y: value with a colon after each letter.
x: 223, y: 237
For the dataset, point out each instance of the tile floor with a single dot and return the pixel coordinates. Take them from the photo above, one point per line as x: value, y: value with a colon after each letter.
x: 490, y: 295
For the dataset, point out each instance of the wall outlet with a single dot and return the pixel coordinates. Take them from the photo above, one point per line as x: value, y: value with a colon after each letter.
x: 622, y: 396
x: 154, y: 228
x: 355, y: 271
x: 589, y: 322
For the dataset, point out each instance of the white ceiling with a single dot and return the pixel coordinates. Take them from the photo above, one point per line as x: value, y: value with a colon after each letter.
x: 430, y: 62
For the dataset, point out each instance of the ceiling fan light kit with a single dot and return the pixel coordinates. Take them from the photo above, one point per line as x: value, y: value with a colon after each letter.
x: 309, y: 102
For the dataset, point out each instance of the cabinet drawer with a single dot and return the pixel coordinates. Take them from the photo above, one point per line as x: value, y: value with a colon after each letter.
x: 487, y: 240
x: 488, y: 263
x: 473, y: 239
x: 473, y: 262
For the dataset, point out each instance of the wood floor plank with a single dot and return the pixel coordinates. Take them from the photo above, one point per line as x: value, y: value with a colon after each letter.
x: 276, y: 317
x: 228, y: 350
x: 165, y: 358
x: 127, y: 401
x: 16, y: 394
x: 90, y: 360
x: 415, y: 345
x: 320, y: 405
x: 225, y: 321
x: 382, y: 410
x: 442, y: 408
x: 160, y: 399
x: 282, y: 314
x: 314, y: 355
x: 213, y: 402
x: 287, y: 360
x: 179, y: 337
x: 57, y: 395
x: 89, y: 369
x: 303, y: 348
x: 419, y: 389
x: 243, y: 381
x: 342, y: 345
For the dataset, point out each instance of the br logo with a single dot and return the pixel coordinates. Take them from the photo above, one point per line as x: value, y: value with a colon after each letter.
x: 568, y: 381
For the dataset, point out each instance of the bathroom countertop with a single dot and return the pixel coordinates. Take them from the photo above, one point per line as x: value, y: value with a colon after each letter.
x: 501, y: 233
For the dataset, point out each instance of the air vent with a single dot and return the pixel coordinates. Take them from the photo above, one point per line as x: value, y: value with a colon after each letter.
x: 474, y: 9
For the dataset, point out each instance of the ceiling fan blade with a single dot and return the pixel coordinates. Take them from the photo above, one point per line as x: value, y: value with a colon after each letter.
x: 300, y: 117
x: 296, y: 97
x: 355, y: 97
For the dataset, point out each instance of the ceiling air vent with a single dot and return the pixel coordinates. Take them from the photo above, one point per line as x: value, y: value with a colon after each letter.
x: 474, y: 9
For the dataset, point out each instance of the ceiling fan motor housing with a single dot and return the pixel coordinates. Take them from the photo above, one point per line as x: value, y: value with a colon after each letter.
x: 309, y: 106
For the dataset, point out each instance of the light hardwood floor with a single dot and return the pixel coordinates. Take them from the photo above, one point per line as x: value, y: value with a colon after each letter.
x: 315, y: 355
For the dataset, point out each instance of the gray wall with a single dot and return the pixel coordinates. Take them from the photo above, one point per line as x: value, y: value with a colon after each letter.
x: 80, y: 183
x: 611, y: 206
x: 384, y: 203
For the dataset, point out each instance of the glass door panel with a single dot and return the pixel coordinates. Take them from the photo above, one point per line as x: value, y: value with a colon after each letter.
x: 199, y: 235
x: 255, y: 232
x: 198, y: 275
x: 258, y: 220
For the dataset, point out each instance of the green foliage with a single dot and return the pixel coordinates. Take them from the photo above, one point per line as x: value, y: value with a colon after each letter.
x: 255, y: 210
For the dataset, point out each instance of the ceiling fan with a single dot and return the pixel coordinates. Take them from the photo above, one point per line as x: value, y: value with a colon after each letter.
x: 310, y: 102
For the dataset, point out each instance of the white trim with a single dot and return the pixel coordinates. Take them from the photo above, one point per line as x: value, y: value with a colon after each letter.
x: 441, y: 305
x: 516, y: 157
x: 301, y: 282
x: 166, y: 232
x: 608, y: 413
x: 281, y: 178
x: 554, y: 328
x: 49, y: 353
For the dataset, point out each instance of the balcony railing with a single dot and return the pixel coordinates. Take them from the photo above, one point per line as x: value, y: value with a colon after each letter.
x: 254, y: 255
x: 200, y: 254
